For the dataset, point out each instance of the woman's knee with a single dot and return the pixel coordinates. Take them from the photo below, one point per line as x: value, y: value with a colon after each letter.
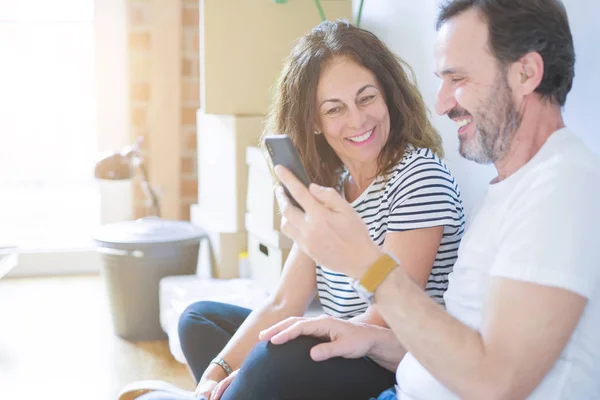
x: 196, y: 316
x: 275, y: 359
x: 271, y: 370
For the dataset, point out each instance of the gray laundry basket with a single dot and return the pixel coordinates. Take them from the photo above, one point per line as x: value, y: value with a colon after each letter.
x: 136, y: 256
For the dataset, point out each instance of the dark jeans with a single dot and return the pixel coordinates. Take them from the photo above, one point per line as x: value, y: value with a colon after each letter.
x: 270, y: 372
x: 204, y: 329
x: 389, y: 394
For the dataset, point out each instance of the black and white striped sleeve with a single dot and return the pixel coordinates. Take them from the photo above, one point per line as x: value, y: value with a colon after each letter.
x: 424, y: 194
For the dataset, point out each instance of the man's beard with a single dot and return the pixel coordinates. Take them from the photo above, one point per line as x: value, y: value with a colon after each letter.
x: 497, y: 121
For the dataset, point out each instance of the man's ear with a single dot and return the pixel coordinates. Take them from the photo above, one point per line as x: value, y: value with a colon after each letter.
x: 531, y: 72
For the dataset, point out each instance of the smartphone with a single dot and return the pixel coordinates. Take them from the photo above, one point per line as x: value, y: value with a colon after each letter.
x: 283, y: 152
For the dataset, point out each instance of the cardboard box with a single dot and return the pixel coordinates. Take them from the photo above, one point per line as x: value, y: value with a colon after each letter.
x: 243, y: 44
x: 222, y: 170
x: 219, y: 255
x: 260, y: 199
x: 266, y: 262
x: 271, y: 236
x: 268, y: 250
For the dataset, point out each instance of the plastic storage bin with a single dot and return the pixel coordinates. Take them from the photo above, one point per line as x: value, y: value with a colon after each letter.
x: 136, y: 256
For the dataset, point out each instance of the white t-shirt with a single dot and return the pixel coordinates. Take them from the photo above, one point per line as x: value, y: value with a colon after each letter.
x: 539, y: 225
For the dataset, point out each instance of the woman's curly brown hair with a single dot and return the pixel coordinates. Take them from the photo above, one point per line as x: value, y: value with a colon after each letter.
x: 294, y: 112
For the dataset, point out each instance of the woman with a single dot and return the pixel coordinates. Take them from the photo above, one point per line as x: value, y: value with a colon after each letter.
x: 361, y: 126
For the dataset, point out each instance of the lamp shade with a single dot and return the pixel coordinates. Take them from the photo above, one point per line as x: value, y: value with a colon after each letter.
x: 114, y: 166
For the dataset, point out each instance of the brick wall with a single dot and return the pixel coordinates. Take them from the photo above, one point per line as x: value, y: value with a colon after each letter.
x: 139, y: 44
x: 140, y: 87
x: 190, y: 92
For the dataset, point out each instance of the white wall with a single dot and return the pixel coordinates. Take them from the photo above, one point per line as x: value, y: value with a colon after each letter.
x: 581, y: 110
x: 408, y: 28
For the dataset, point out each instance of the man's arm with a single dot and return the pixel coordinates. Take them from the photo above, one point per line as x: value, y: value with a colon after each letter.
x: 419, y: 248
x: 386, y: 349
x: 525, y: 328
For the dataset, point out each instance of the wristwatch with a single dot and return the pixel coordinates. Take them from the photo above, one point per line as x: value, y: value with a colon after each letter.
x: 365, y: 287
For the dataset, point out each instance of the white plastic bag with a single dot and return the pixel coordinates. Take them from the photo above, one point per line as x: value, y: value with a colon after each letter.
x: 178, y: 292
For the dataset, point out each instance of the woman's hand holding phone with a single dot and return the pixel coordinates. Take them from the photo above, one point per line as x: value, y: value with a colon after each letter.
x: 283, y: 152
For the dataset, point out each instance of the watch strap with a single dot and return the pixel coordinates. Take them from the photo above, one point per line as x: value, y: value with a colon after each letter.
x: 378, y: 271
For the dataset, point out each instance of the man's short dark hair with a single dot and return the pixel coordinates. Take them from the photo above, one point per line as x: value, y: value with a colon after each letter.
x: 517, y: 27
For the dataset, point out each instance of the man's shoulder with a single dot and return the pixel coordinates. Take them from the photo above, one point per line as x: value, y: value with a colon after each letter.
x: 564, y: 170
x: 567, y: 160
x: 567, y: 149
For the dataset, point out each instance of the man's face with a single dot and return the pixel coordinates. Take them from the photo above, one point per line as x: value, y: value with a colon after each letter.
x: 474, y: 92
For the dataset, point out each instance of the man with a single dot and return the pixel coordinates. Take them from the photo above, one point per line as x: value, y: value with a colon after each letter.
x: 523, y: 302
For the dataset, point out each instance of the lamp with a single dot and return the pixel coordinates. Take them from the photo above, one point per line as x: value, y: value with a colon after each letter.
x: 121, y: 165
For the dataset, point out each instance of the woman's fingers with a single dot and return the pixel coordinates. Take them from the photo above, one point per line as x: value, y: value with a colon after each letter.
x: 222, y: 386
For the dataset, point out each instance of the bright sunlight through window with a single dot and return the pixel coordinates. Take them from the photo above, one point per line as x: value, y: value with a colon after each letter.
x: 48, y: 141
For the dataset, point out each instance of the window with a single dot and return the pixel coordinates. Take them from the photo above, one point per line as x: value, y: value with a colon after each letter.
x: 49, y: 199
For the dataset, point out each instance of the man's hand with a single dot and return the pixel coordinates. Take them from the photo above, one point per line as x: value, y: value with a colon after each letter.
x: 346, y: 339
x: 329, y: 230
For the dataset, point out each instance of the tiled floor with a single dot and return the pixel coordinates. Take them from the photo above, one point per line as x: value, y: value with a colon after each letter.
x: 56, y: 342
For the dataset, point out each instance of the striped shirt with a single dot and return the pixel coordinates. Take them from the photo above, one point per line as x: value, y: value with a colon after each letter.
x: 420, y: 192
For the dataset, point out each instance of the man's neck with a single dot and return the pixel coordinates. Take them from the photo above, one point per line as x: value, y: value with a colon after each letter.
x: 540, y: 120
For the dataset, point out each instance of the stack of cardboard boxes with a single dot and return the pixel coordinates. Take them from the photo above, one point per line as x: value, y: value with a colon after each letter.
x: 243, y: 44
x: 268, y: 248
x: 222, y: 183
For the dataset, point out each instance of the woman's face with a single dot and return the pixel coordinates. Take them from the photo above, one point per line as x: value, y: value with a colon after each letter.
x: 352, y: 113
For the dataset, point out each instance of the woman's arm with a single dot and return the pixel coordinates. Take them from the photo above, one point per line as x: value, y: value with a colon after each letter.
x: 295, y: 292
x: 417, y: 249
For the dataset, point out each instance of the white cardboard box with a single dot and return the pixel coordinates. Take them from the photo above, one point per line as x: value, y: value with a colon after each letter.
x: 260, y: 200
x: 267, y: 251
x: 266, y: 262
x: 243, y: 44
x: 222, y: 170
x: 219, y: 255
x: 271, y: 236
